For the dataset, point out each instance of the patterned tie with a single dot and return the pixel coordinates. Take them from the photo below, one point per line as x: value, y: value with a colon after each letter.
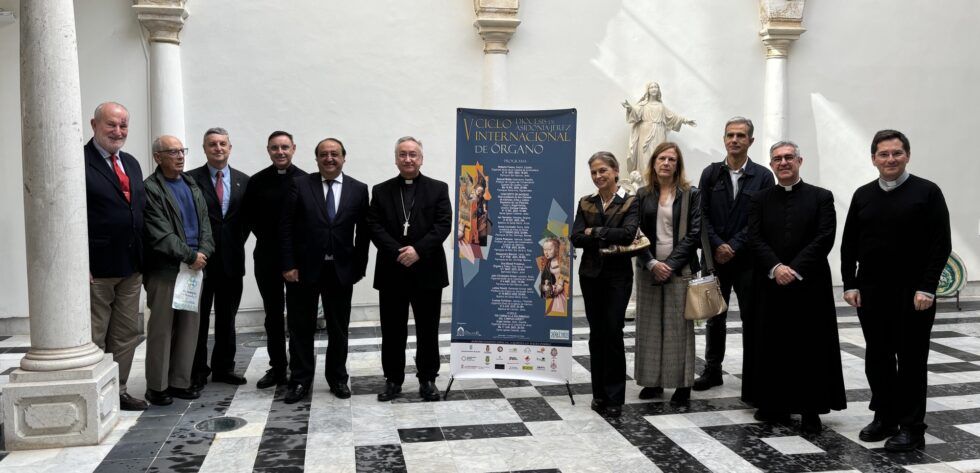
x: 219, y: 188
x: 331, y: 209
x: 123, y: 178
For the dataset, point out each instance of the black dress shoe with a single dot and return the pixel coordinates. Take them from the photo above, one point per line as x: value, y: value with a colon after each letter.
x: 651, y: 393
x: 183, y: 393
x: 614, y: 411
x: 877, y: 431
x: 340, y: 390
x: 428, y: 391
x: 228, y: 378
x: 598, y: 405
x: 271, y: 378
x: 771, y: 416
x: 706, y: 382
x: 905, y: 441
x: 296, y: 393
x: 391, y: 391
x: 158, y: 398
x: 681, y: 397
x: 199, y: 380
x: 810, y: 423
x: 130, y: 403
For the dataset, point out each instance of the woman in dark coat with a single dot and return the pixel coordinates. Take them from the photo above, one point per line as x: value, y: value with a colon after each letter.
x: 664, y: 339
x: 607, y: 217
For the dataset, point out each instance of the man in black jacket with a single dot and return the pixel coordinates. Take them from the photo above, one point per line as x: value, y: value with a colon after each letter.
x: 410, y: 218
x: 115, y: 198
x: 263, y: 210
x: 325, y: 244
x: 224, y: 190
x: 726, y: 188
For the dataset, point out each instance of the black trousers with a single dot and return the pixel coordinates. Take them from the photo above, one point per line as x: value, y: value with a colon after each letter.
x: 897, y: 351
x: 272, y: 288
x: 426, y: 304
x: 225, y: 293
x: 302, y: 301
x: 738, y: 278
x: 606, y: 299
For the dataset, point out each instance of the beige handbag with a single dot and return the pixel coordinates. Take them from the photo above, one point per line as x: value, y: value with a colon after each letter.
x: 704, y: 299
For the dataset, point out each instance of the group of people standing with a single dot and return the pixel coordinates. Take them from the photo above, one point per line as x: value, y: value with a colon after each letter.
x: 312, y: 234
x: 768, y: 235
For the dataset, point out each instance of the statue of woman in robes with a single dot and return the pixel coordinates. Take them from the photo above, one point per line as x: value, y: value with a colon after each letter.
x: 650, y: 120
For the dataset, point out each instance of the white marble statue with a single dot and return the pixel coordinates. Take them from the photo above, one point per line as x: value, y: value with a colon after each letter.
x: 650, y: 120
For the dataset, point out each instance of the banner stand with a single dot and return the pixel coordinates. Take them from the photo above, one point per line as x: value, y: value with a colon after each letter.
x: 445, y: 396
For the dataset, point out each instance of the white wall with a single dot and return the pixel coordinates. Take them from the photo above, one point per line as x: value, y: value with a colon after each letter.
x: 369, y: 72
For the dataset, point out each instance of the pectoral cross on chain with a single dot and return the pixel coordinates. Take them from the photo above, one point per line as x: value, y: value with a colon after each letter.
x: 405, y: 227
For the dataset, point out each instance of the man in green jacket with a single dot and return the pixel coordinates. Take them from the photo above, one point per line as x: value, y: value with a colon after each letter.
x: 176, y: 231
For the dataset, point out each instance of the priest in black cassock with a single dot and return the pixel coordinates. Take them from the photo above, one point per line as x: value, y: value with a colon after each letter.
x: 896, y: 242
x: 791, y: 230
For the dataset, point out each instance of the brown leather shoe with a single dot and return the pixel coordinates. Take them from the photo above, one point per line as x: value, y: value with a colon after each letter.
x: 130, y: 403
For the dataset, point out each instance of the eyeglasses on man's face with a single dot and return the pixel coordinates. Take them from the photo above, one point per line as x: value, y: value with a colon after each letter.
x: 173, y: 153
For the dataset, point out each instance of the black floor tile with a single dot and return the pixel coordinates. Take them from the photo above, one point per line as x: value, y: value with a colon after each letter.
x: 425, y: 434
x: 280, y: 458
x: 130, y: 465
x: 514, y: 429
x: 533, y: 409
x: 190, y: 464
x: 128, y: 450
x: 511, y: 383
x: 379, y: 458
x: 953, y: 367
x: 490, y: 393
x: 464, y: 432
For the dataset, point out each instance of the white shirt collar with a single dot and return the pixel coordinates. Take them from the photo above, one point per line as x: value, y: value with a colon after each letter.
x: 337, y: 180
x: 619, y: 191
x: 889, y: 186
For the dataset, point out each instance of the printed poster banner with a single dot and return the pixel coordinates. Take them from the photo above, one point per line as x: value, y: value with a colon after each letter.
x: 512, y: 271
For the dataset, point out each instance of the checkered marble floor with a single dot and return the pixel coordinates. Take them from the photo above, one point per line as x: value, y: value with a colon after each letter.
x: 506, y: 425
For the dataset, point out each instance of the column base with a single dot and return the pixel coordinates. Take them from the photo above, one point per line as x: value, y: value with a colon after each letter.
x: 65, y: 408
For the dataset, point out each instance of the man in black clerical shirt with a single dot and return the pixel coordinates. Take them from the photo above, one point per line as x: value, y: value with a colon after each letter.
x: 791, y: 231
x: 896, y: 242
x: 726, y: 188
x: 410, y: 218
x: 263, y: 204
x: 325, y: 244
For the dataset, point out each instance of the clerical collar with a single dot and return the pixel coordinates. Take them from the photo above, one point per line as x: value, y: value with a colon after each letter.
x: 791, y: 186
x: 408, y: 182
x: 281, y: 171
x: 889, y: 186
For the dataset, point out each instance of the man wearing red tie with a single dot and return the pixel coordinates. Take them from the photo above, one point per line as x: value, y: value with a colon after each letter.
x: 115, y: 201
x: 223, y: 189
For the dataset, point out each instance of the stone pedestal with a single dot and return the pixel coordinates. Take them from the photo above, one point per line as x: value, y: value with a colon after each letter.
x: 47, y: 409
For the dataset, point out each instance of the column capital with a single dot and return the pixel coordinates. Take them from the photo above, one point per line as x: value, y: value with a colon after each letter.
x: 496, y: 22
x: 782, y: 23
x: 162, y: 18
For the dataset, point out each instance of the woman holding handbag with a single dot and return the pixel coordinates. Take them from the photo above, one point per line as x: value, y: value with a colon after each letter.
x: 604, y: 219
x: 670, y: 216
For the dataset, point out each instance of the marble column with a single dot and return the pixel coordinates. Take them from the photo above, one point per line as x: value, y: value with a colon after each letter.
x: 163, y: 20
x: 496, y: 21
x: 66, y: 391
x: 781, y: 26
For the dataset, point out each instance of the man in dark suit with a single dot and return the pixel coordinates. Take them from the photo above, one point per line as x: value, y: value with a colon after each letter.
x: 726, y: 188
x: 410, y: 218
x: 263, y: 211
x: 324, y: 252
x: 115, y: 198
x: 224, y: 191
